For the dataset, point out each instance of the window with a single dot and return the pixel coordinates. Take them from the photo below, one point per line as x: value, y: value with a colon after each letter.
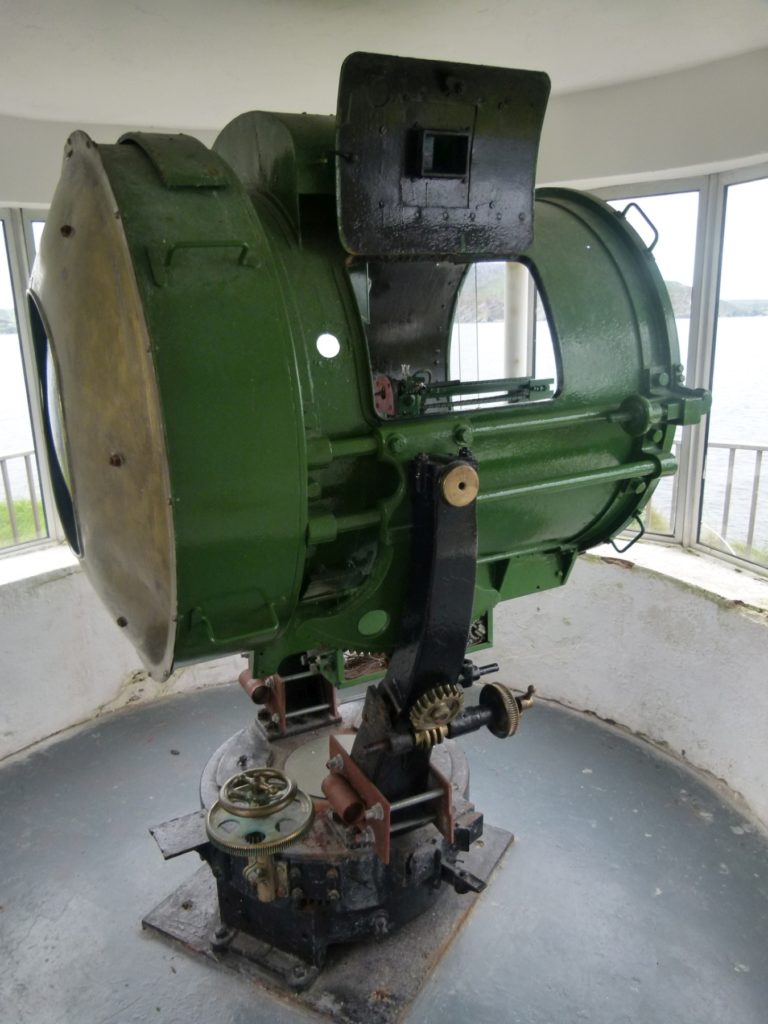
x: 734, y: 508
x: 23, y: 510
x: 674, y: 216
x: 500, y: 333
x: 719, y: 499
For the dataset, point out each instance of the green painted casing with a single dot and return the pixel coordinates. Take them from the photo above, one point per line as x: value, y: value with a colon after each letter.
x: 289, y: 496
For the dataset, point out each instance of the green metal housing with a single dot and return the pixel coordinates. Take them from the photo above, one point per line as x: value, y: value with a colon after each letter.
x: 288, y: 494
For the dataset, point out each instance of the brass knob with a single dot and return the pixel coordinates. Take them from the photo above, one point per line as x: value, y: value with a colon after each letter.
x: 460, y: 485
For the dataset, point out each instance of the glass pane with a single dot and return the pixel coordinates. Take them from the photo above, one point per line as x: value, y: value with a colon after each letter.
x: 21, y: 513
x: 500, y: 332
x: 37, y: 233
x: 675, y: 218
x: 734, y: 516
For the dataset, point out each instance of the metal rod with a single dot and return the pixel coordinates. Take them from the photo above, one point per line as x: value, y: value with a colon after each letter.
x: 33, y: 494
x: 9, y: 501
x: 753, y: 507
x: 566, y: 419
x: 673, y: 499
x: 411, y: 801
x: 298, y: 675
x: 307, y: 711
x: 401, y: 826
x: 728, y: 489
x: 610, y: 474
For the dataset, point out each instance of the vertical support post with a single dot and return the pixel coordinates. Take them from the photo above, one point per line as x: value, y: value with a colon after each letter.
x: 518, y: 321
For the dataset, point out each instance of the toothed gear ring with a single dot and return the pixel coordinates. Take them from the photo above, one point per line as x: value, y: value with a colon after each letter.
x: 437, y: 707
x: 271, y: 814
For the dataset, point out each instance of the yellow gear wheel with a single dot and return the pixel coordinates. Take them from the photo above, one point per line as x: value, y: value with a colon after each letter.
x: 437, y: 707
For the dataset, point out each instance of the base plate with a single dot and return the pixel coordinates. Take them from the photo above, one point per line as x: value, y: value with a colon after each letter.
x: 372, y: 982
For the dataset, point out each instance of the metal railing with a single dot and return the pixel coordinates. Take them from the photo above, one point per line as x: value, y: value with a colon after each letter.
x: 734, y: 509
x: 20, y: 524
x: 741, y: 507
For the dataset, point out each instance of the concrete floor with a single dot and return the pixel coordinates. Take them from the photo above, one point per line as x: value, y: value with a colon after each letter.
x: 633, y: 893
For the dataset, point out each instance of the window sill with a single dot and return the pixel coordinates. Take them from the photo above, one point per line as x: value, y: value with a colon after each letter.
x: 37, y: 562
x: 698, y: 570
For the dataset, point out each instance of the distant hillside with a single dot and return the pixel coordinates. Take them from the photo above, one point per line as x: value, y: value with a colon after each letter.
x: 680, y: 294
x: 485, y: 290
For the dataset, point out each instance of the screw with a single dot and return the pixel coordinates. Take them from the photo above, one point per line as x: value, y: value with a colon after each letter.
x: 335, y: 764
x: 116, y: 459
x: 221, y: 931
x: 334, y: 895
x: 375, y: 813
x: 67, y: 230
x: 396, y: 443
x: 122, y: 621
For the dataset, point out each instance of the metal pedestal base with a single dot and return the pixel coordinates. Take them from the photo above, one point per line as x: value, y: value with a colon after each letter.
x: 372, y: 981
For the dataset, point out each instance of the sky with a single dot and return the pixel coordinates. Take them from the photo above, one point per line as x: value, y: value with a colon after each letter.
x: 745, y: 264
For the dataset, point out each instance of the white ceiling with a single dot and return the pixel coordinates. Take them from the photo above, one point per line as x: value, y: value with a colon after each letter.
x: 197, y: 63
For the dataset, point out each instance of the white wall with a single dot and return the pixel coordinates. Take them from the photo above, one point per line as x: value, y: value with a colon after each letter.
x: 705, y: 118
x: 31, y: 153
x: 62, y: 660
x: 670, y: 661
x: 667, y: 659
x: 708, y: 118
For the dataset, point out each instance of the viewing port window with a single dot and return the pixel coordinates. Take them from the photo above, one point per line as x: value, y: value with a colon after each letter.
x: 489, y: 348
x: 500, y: 333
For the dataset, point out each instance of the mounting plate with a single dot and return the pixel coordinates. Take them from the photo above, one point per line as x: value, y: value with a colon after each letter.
x: 373, y: 980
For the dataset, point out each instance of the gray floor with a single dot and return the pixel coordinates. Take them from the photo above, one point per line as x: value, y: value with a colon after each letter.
x: 633, y: 893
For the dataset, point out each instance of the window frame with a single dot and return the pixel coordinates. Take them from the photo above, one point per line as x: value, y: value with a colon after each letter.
x: 710, y: 229
x: 17, y: 222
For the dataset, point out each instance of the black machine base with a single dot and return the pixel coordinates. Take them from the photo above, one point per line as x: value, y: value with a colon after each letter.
x: 373, y: 980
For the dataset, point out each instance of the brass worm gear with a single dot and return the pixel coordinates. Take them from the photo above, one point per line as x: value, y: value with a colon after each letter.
x: 428, y: 738
x: 505, y: 708
x: 437, y: 707
x: 245, y: 834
